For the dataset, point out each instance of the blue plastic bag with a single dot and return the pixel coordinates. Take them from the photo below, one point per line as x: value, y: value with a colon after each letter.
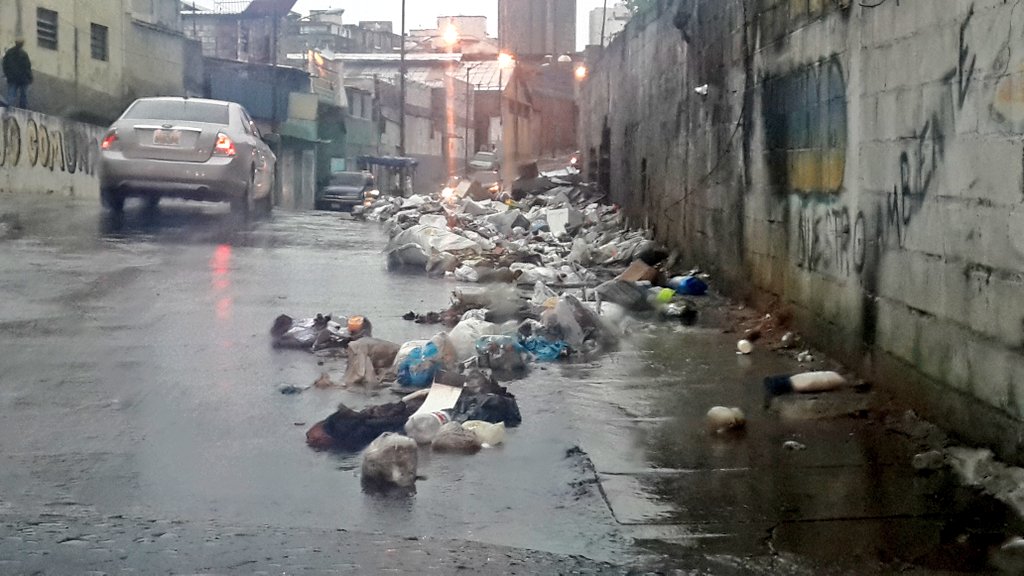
x: 692, y: 286
x: 544, y: 350
x: 419, y: 367
x: 503, y: 354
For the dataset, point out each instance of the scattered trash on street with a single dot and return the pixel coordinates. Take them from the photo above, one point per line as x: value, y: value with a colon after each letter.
x: 928, y: 461
x: 452, y: 437
x: 349, y: 430
x: 807, y: 383
x: 324, y: 381
x: 545, y: 275
x: 390, y: 461
x: 721, y: 419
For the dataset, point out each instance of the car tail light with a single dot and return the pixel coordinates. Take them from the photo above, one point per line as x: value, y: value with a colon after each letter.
x: 109, y: 140
x: 225, y: 146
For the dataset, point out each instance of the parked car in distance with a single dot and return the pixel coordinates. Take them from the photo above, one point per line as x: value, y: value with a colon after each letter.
x: 189, y: 148
x: 484, y: 160
x: 347, y: 190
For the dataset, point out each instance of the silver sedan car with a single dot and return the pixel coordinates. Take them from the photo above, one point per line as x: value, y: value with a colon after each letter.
x: 186, y: 148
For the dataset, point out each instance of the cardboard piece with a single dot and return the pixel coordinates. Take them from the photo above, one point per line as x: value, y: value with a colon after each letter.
x: 638, y: 271
x: 440, y: 397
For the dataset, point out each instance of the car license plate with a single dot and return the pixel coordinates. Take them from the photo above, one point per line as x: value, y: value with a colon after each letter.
x: 167, y: 137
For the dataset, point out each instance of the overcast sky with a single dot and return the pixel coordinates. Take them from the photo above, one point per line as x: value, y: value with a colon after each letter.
x: 424, y: 13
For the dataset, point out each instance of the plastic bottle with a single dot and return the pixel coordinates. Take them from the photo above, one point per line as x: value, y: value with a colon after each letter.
x: 817, y: 381
x: 424, y: 427
x: 808, y: 382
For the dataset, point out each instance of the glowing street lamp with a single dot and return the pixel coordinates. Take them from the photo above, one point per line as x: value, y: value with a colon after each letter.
x: 581, y: 72
x: 505, y: 60
x: 450, y: 35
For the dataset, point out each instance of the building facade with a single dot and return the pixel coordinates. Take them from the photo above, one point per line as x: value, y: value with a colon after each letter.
x: 533, y: 29
x: 238, y: 31
x: 91, y: 59
x: 325, y: 31
x: 605, y: 25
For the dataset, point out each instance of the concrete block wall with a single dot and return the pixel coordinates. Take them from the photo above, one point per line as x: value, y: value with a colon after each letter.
x: 861, y: 165
x: 46, y: 154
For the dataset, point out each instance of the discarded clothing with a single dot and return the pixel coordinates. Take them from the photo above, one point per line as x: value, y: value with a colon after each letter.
x: 349, y: 430
x: 493, y: 408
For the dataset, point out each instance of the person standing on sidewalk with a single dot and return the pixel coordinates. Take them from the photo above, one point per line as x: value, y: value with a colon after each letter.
x: 18, y: 70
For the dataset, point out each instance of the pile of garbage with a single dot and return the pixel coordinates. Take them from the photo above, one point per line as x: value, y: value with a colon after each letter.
x: 550, y: 275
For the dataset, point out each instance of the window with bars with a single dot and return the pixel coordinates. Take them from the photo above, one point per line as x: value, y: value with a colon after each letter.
x: 46, y: 28
x: 98, y: 42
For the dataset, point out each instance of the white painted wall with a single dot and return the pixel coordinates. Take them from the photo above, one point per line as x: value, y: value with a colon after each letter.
x: 44, y: 154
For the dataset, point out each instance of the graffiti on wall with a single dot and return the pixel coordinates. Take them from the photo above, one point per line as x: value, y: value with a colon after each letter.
x: 805, y: 128
x: 57, y: 147
x: 830, y: 238
x: 833, y: 238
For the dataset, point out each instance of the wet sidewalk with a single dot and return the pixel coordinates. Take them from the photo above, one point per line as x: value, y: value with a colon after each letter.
x: 841, y: 497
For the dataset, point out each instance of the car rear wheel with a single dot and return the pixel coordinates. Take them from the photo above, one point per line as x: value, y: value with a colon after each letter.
x: 111, y: 200
x: 266, y: 203
x: 244, y: 206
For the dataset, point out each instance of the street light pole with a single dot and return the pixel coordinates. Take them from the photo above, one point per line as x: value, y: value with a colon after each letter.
x: 401, y: 91
x: 604, y: 20
x: 465, y: 141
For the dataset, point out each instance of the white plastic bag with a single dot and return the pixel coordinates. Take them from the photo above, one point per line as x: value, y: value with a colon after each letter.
x: 488, y: 434
x: 466, y: 274
x: 464, y: 336
x: 390, y: 460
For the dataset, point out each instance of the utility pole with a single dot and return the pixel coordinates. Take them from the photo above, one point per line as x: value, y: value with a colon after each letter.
x: 401, y: 91
x: 604, y: 20
x: 465, y: 142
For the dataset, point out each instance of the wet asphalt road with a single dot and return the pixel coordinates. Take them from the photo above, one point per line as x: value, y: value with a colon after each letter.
x: 138, y: 385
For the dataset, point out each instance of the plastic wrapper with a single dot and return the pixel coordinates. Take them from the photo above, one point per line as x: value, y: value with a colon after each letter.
x: 489, y: 407
x: 502, y: 354
x: 418, y: 367
x: 691, y: 286
x: 367, y: 359
x: 432, y: 239
x: 504, y: 222
x: 466, y: 334
x: 543, y: 296
x: 454, y: 438
x: 531, y: 273
x: 440, y: 263
x: 488, y: 434
x: 544, y: 350
x: 502, y: 300
x: 435, y: 220
x: 390, y: 461
x: 308, y: 333
x: 466, y: 274
x: 623, y: 293
x: 410, y: 254
x: 560, y: 323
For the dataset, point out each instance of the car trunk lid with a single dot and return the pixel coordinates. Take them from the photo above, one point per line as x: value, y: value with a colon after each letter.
x: 183, y: 142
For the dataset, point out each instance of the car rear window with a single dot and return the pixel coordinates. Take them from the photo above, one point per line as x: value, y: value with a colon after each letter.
x: 348, y: 179
x: 181, y: 110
